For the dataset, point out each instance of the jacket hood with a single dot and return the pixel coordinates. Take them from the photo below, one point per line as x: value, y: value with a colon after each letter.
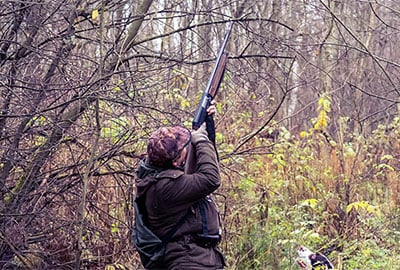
x: 145, y: 169
x: 146, y: 175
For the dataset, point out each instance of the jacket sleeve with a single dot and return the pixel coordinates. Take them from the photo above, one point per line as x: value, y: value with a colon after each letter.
x: 203, y: 180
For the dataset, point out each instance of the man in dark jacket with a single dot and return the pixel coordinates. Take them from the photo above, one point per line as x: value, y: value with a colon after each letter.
x: 172, y: 194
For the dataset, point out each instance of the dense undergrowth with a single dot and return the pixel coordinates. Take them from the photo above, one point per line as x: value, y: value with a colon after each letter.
x: 339, y: 197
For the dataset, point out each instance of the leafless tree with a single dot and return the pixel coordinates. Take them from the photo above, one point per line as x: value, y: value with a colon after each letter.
x: 84, y: 82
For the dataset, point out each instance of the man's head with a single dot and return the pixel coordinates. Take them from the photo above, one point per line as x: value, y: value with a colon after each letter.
x: 166, y: 145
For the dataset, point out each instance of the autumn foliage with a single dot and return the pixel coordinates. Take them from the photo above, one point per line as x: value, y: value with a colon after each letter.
x: 308, y: 128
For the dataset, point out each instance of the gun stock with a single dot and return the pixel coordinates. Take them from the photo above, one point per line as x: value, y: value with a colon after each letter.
x: 213, y: 84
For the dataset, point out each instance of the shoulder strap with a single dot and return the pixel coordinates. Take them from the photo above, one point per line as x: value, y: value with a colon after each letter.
x: 204, y: 222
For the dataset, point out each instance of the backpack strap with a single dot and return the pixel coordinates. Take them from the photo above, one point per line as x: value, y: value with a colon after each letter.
x: 204, y: 239
x: 204, y: 223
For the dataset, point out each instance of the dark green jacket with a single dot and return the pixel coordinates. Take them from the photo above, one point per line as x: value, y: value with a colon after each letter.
x: 170, y: 194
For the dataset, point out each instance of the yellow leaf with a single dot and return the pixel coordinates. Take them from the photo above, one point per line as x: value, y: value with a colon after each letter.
x: 320, y: 101
x: 95, y: 14
x: 327, y: 105
x: 303, y: 134
x: 322, y: 121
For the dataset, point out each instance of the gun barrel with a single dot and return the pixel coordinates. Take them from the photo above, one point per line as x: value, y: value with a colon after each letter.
x: 213, y: 83
x: 220, y: 58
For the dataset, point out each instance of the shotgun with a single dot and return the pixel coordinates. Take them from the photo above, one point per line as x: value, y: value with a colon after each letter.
x: 213, y: 83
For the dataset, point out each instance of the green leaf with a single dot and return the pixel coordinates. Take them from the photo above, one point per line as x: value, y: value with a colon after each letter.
x: 114, y: 228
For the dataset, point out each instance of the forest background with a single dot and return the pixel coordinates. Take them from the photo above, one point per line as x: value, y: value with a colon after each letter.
x: 308, y: 127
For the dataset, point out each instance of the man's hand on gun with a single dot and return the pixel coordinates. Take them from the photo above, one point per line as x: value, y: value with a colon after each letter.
x: 201, y: 132
x: 212, y: 109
